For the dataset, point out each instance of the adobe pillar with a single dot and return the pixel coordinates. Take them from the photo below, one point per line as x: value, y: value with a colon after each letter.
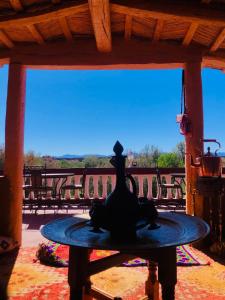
x: 194, y: 141
x: 11, y: 214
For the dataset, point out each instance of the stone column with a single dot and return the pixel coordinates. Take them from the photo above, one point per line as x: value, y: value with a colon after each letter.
x: 193, y: 141
x: 11, y: 203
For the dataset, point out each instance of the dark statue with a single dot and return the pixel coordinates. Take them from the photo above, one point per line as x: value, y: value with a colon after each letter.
x: 123, y: 212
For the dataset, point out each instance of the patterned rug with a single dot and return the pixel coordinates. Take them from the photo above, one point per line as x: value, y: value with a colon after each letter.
x: 55, y: 254
x: 34, y: 281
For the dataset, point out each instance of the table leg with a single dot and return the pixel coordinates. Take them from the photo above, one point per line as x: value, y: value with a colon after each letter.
x: 77, y: 271
x: 167, y: 271
x: 152, y: 284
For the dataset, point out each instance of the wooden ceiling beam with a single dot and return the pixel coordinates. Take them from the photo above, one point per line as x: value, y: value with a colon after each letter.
x: 5, y: 39
x: 169, y: 10
x: 58, y: 11
x: 190, y: 34
x: 125, y: 55
x: 100, y: 15
x: 36, y: 34
x: 65, y: 28
x: 56, y: 1
x: 158, y: 30
x: 83, y: 54
x: 219, y: 40
x: 16, y: 5
x: 128, y: 28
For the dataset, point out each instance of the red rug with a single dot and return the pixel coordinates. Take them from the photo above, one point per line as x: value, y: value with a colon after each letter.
x: 55, y: 254
x: 33, y: 281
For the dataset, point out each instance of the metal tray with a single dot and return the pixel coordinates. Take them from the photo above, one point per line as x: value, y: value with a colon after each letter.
x: 175, y: 229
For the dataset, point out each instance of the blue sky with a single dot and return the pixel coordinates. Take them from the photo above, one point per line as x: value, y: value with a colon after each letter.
x: 80, y: 112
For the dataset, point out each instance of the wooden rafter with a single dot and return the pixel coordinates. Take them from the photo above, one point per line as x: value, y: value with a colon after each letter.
x: 128, y: 27
x: 160, y: 9
x: 190, y: 34
x: 65, y: 28
x: 56, y: 1
x: 100, y: 15
x: 158, y: 30
x: 16, y: 5
x: 36, y: 34
x: 5, y: 39
x: 219, y: 40
x: 169, y: 10
x: 24, y: 19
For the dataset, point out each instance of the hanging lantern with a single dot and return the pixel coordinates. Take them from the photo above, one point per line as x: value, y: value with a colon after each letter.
x: 185, y: 124
x: 182, y: 118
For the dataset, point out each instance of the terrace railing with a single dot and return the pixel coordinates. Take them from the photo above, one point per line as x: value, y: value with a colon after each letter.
x: 101, y: 181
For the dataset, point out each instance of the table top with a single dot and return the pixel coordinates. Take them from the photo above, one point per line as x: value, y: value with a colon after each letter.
x: 175, y: 229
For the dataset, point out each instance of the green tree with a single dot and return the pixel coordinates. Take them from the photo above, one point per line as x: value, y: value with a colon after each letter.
x: 65, y: 163
x: 104, y: 162
x: 155, y: 155
x: 32, y: 159
x: 71, y: 163
x: 148, y: 157
x: 50, y: 162
x: 78, y: 164
x: 91, y: 162
x: 169, y: 160
x: 180, y: 151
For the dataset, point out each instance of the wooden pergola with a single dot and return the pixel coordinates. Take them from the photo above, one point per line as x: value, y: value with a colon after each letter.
x: 103, y: 34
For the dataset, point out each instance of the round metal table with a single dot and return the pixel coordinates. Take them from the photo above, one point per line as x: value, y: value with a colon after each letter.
x: 157, y: 245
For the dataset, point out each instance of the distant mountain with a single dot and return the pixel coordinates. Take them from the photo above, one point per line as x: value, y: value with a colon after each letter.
x: 81, y: 157
x: 78, y: 156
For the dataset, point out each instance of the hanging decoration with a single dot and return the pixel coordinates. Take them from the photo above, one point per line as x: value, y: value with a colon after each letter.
x: 182, y: 118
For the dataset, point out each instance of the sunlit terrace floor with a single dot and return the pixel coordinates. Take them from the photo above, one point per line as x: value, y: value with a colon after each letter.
x: 196, y: 282
x: 32, y: 223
